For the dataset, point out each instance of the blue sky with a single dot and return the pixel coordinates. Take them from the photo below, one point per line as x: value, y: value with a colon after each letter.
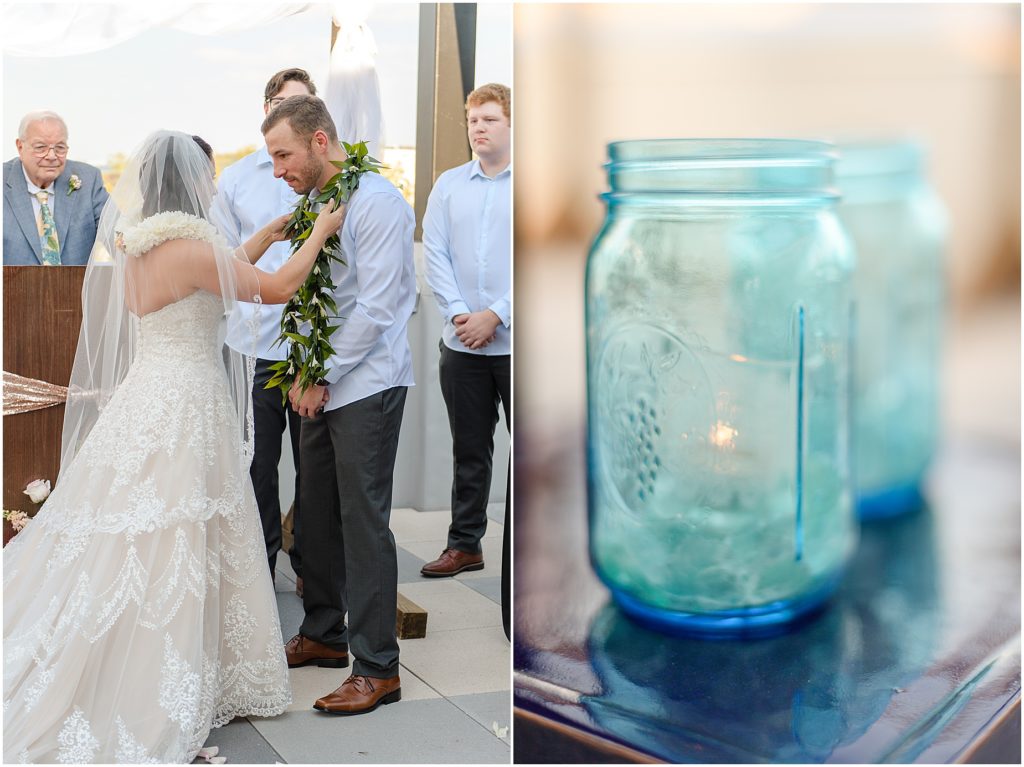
x: 213, y: 86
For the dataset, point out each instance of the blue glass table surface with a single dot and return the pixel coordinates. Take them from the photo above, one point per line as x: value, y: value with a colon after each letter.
x: 916, y: 659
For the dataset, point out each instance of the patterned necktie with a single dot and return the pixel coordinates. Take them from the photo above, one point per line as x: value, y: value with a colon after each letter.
x: 47, y: 232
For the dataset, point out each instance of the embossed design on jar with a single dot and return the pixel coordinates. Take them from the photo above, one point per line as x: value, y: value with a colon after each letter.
x: 654, y: 401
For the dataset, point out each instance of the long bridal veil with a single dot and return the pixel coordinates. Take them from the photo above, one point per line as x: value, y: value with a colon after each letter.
x: 149, y: 615
x: 169, y: 174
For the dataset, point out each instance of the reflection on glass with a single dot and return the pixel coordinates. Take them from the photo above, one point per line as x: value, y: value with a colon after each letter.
x: 791, y: 698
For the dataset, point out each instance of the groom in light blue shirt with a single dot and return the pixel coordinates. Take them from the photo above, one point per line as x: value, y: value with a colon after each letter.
x: 467, y: 238
x: 351, y: 422
x: 248, y: 196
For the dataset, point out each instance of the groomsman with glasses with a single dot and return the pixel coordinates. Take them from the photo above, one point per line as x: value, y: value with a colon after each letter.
x: 52, y: 205
x: 248, y: 195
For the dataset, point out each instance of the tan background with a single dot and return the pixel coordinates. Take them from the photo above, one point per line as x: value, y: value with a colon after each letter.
x: 947, y: 75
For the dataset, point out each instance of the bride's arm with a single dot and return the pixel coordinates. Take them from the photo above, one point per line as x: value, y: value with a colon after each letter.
x: 271, y: 287
x: 277, y: 287
x: 252, y: 250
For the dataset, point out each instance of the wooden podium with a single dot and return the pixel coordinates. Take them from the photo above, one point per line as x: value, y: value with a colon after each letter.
x: 42, y: 317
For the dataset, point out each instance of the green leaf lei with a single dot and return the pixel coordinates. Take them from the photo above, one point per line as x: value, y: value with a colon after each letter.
x: 313, y: 306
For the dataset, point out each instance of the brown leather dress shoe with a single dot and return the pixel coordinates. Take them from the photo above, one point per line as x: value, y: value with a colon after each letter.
x: 302, y: 651
x: 361, y: 695
x: 452, y: 562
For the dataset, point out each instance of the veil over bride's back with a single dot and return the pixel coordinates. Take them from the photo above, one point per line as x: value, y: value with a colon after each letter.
x: 169, y: 179
x: 151, y: 616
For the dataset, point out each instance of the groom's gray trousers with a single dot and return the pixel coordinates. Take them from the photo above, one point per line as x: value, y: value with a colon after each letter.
x: 349, y: 560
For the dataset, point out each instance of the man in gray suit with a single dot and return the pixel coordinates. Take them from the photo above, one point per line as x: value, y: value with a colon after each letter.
x: 51, y: 205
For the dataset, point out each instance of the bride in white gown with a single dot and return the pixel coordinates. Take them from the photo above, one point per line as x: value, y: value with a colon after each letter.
x: 138, y: 607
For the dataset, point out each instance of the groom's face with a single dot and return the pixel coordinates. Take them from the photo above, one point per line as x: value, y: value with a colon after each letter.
x: 295, y: 158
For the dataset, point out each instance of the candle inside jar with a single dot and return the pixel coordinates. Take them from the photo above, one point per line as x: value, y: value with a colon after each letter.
x: 723, y: 435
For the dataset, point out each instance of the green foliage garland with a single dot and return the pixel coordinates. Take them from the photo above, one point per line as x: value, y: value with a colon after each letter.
x: 313, y: 307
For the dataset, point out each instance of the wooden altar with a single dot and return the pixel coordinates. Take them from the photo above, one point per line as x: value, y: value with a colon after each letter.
x: 42, y: 317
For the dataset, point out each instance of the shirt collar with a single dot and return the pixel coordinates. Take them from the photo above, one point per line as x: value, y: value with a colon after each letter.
x: 263, y: 156
x: 32, y: 188
x: 476, y: 170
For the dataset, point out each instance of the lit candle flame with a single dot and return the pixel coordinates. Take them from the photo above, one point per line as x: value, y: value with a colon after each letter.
x: 723, y: 435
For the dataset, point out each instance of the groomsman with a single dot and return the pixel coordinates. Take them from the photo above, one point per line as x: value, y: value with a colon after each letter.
x: 467, y: 232
x: 52, y: 205
x: 249, y: 195
x: 348, y: 453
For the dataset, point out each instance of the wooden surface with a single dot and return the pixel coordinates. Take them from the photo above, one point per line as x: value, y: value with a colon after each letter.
x: 411, y: 620
x: 42, y: 316
x: 917, y: 659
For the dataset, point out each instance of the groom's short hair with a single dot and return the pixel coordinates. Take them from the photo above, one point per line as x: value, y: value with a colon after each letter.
x: 276, y: 83
x: 305, y: 115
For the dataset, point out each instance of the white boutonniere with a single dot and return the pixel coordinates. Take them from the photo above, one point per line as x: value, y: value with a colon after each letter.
x: 74, y: 184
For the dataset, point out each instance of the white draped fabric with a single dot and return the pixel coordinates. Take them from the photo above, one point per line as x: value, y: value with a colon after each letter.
x: 353, y: 89
x: 58, y: 29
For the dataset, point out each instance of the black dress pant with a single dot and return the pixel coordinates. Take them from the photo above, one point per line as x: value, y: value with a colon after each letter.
x: 270, y: 419
x: 473, y: 385
x: 349, y: 553
x: 506, y: 561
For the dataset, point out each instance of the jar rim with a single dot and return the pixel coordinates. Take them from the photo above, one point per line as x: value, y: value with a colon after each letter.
x: 705, y: 149
x: 879, y: 157
x: 722, y: 168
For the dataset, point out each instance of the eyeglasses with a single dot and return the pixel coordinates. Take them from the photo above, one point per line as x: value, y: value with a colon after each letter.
x: 41, y: 150
x: 275, y: 101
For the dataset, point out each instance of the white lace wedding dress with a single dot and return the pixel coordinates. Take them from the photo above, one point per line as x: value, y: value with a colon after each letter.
x: 138, y: 607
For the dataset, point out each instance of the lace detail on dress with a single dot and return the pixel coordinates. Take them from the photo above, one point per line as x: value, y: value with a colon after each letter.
x: 238, y: 625
x: 77, y: 743
x: 129, y: 750
x: 180, y: 688
x: 155, y: 562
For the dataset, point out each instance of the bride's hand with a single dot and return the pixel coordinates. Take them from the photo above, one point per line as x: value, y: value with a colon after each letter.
x: 330, y: 219
x: 275, y: 229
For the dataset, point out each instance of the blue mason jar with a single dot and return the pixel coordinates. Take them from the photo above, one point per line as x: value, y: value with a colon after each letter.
x: 898, y: 227
x: 718, y: 299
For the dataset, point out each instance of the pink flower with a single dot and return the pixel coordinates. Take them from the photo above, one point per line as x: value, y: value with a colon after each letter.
x: 17, y: 518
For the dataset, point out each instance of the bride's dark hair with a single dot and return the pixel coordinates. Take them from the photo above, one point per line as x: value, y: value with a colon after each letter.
x: 165, y: 178
x: 204, y: 146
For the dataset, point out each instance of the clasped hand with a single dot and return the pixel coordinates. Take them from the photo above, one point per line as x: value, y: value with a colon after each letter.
x: 309, y: 403
x: 477, y: 329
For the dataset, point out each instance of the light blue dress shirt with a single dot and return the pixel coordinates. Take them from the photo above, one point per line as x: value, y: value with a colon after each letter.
x: 375, y: 293
x: 248, y: 198
x: 467, y: 239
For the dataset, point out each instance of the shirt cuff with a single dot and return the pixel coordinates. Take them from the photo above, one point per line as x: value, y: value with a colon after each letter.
x: 458, y: 307
x: 503, y: 310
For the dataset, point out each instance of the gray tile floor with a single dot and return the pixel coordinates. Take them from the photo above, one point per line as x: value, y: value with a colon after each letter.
x: 456, y: 681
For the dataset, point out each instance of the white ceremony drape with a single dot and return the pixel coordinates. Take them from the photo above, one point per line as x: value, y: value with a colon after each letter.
x: 58, y: 29
x: 353, y: 89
